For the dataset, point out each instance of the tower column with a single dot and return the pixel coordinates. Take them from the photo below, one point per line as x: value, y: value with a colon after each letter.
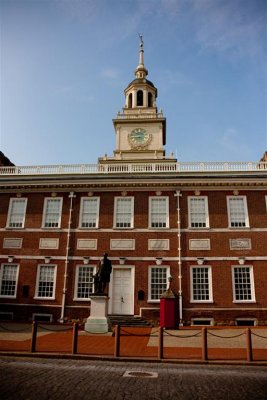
x: 134, y: 98
x: 145, y: 98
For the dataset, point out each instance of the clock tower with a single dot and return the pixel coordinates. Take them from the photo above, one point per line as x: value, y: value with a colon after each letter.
x: 140, y: 128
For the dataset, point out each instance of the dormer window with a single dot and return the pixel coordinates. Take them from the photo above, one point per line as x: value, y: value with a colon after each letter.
x: 140, y: 98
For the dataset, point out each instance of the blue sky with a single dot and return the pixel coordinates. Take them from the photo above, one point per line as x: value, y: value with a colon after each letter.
x: 66, y: 63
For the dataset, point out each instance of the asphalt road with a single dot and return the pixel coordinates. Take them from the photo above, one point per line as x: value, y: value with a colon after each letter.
x: 45, y: 379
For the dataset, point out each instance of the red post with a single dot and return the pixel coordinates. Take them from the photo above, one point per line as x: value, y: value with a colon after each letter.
x: 160, y: 347
x: 34, y: 336
x: 204, y: 344
x: 249, y: 346
x: 75, y: 338
x: 117, y: 341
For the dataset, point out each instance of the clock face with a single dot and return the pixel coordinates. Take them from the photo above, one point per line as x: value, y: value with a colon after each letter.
x: 139, y: 138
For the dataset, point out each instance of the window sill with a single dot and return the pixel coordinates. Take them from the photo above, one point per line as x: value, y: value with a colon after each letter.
x: 83, y: 300
x: 153, y: 301
x: 244, y: 301
x: 202, y: 301
x: 89, y: 228
x: 15, y: 228
x: 194, y: 228
x: 48, y: 228
x: 44, y: 298
x: 240, y: 228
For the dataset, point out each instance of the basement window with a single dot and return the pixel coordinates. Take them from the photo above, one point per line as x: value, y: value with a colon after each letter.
x: 6, y: 316
x: 246, y: 322
x: 42, y: 317
x: 202, y: 321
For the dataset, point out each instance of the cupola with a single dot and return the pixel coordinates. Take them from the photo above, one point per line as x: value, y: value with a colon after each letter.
x: 140, y: 93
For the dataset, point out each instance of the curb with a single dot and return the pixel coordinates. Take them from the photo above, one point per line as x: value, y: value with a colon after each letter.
x: 61, y: 356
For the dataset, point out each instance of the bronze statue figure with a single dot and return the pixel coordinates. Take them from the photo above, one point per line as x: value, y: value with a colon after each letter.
x: 102, y: 277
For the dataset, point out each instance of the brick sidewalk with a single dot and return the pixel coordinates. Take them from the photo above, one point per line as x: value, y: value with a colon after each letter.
x: 135, y: 342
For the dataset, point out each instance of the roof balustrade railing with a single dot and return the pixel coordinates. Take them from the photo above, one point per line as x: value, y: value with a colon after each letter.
x: 135, y: 168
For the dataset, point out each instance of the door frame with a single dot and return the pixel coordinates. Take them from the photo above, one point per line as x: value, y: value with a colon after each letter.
x: 132, y: 270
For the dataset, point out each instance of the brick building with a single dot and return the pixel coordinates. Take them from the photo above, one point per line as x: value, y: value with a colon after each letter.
x: 203, y: 224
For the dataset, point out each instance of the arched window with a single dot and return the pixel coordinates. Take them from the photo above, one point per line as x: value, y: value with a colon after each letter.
x: 150, y: 100
x: 130, y: 100
x: 139, y: 97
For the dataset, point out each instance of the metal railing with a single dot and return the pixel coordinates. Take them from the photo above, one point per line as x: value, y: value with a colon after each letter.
x: 135, y: 168
x: 139, y: 115
x: 121, y: 335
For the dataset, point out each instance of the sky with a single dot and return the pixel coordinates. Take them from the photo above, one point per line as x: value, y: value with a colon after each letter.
x: 65, y: 64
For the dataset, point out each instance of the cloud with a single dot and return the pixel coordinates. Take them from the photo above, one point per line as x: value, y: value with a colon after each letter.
x: 110, y: 73
x: 232, y: 142
x: 230, y: 26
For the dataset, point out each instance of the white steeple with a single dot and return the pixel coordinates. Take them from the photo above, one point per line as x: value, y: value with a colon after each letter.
x: 141, y: 71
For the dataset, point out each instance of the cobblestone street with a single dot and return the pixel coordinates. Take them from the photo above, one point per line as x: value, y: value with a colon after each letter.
x: 46, y: 379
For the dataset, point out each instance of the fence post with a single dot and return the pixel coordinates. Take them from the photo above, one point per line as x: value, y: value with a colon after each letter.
x: 117, y: 341
x: 204, y: 344
x: 34, y: 335
x: 75, y: 338
x: 249, y: 346
x: 160, y: 346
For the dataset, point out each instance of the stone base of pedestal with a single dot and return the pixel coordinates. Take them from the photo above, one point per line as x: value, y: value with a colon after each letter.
x: 98, y: 322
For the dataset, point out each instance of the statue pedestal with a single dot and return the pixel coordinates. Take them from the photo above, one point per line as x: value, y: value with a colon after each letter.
x: 98, y: 322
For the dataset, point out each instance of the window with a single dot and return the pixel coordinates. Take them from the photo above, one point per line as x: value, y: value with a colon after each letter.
x: 158, y: 282
x: 202, y: 321
x: 124, y: 212
x: 158, y: 212
x: 243, y: 285
x: 45, y: 284
x: 52, y: 212
x: 89, y: 212
x: 201, y: 289
x: 150, y: 100
x: 139, y: 97
x: 130, y: 101
x: 246, y: 322
x: 198, y: 212
x: 9, y: 280
x: 42, y: 317
x: 84, y: 282
x: 16, y: 213
x: 237, y: 212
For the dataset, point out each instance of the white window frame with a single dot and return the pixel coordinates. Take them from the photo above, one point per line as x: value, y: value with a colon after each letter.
x: 252, y: 288
x: 45, y: 212
x: 167, y: 220
x: 246, y: 218
x: 116, y: 200
x: 190, y: 222
x: 83, y: 200
x: 13, y: 296
x: 38, y: 281
x: 9, y: 215
x: 199, y: 267
x: 150, y: 268
x: 78, y: 267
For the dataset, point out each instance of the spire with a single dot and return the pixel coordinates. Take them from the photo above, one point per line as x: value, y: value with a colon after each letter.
x: 141, y: 72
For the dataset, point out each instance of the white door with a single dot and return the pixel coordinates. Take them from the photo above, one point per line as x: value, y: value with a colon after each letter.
x: 122, y: 291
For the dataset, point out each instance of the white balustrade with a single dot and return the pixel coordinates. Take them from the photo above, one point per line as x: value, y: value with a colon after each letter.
x: 135, y: 168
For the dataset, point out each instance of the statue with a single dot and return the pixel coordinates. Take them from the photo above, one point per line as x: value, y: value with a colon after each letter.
x: 102, y: 277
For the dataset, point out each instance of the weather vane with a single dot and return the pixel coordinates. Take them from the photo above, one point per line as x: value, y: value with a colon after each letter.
x: 141, y: 38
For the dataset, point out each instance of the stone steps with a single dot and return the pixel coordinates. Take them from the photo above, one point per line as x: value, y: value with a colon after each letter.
x: 128, y: 320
